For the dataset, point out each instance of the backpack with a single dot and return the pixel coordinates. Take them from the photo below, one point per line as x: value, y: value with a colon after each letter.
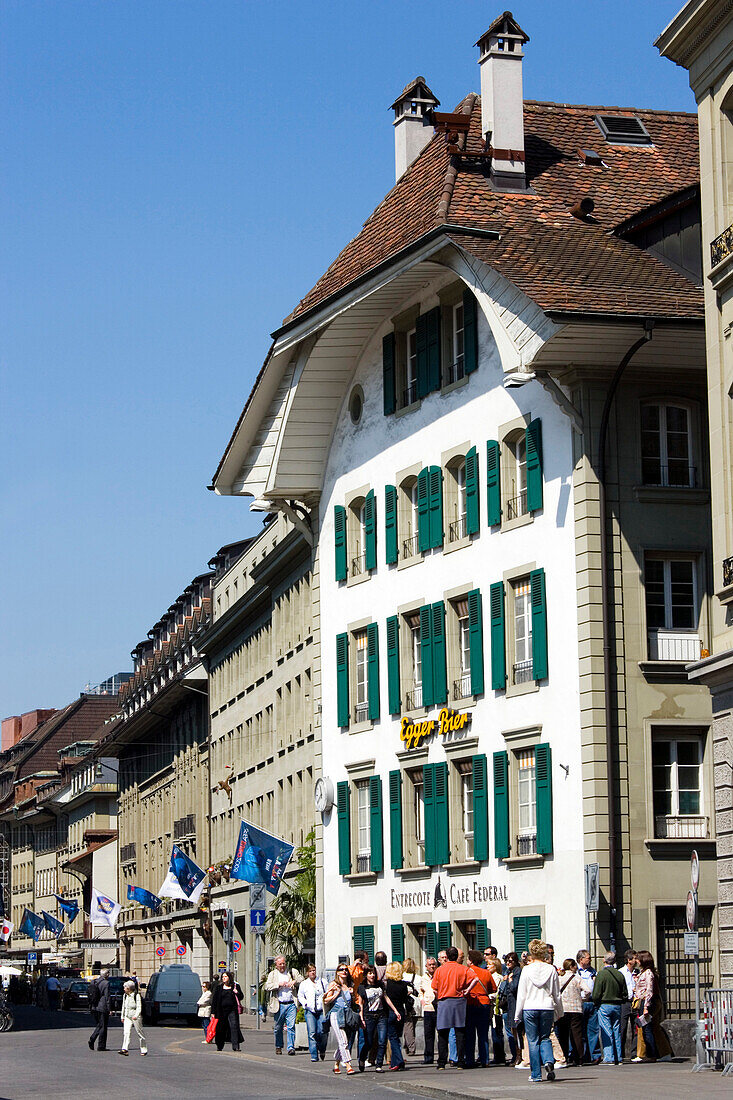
x: 95, y: 994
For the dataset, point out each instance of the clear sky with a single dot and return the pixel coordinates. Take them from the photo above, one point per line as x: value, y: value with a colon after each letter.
x: 177, y: 174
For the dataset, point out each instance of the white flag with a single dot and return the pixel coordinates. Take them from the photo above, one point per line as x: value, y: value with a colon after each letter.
x: 103, y: 910
x: 184, y: 880
x: 6, y: 927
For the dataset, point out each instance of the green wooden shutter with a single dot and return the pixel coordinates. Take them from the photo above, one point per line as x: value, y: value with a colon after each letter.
x: 493, y: 483
x: 358, y: 937
x: 423, y: 510
x: 534, y: 928
x: 442, y: 831
x: 498, y: 637
x: 525, y: 930
x: 395, y: 819
x: 432, y: 324
x: 376, y: 827
x: 393, y: 664
x: 426, y: 655
x: 483, y: 935
x: 388, y: 373
x: 373, y: 671
x: 445, y: 935
x: 534, y: 465
x: 339, y: 529
x: 476, y: 641
x: 480, y: 807
x: 428, y: 774
x: 539, y: 623
x: 364, y: 939
x: 501, y: 805
x: 397, y: 942
x: 470, y: 332
x: 421, y: 349
x: 342, y: 680
x: 370, y: 530
x: 390, y: 524
x: 436, y: 506
x: 440, y: 668
x: 543, y: 788
x: 472, y: 492
x: 344, y: 824
x: 431, y: 940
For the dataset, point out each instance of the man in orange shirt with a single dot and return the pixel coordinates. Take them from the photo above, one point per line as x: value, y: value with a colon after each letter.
x: 451, y: 983
x: 478, y: 1011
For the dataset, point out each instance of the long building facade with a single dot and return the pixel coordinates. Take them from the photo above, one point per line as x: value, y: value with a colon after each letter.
x: 493, y: 404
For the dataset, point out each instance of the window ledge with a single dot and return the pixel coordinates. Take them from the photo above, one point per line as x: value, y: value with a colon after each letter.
x: 459, y: 544
x: 521, y: 863
x: 667, y: 494
x: 664, y: 670
x: 405, y: 563
x: 663, y: 848
x: 451, y: 386
x: 409, y: 873
x: 362, y: 878
x: 365, y: 576
x: 468, y: 867
x: 513, y: 690
x: 520, y: 521
x: 408, y: 408
x: 725, y: 595
x: 361, y: 727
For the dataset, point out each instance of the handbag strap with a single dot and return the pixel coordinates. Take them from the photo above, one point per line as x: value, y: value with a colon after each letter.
x: 567, y: 983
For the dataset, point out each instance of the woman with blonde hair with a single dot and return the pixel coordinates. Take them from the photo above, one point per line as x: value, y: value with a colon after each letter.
x: 398, y: 995
x: 413, y: 1005
x: 344, y: 1014
x: 538, y: 1000
x: 132, y: 1014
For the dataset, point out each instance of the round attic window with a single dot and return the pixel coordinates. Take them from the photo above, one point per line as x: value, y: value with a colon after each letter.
x: 356, y: 404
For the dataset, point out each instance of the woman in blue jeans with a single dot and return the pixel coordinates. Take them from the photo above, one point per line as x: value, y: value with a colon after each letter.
x: 376, y: 1003
x: 397, y: 992
x: 539, y: 1003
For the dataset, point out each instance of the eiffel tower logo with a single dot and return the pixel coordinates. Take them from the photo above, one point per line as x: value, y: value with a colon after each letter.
x: 439, y: 897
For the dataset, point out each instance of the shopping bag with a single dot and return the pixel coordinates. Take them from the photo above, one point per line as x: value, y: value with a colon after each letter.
x: 211, y: 1029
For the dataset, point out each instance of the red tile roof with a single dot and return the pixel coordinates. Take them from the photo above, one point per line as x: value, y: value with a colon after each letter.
x: 562, y: 263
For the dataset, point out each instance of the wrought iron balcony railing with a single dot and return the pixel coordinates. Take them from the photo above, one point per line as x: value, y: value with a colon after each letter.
x: 458, y: 529
x: 727, y: 571
x: 411, y: 546
x: 721, y: 247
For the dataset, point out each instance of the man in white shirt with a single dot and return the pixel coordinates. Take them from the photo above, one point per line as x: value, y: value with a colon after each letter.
x: 310, y: 996
x: 282, y: 985
x: 626, y: 1014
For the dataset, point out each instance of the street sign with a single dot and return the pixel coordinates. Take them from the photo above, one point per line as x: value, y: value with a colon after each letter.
x: 691, y: 911
x: 32, y: 957
x: 222, y: 965
x: 160, y: 952
x: 257, y: 918
x: 694, y: 870
x: 692, y: 943
x: 592, y: 887
x: 181, y: 949
x: 257, y: 895
x: 236, y: 945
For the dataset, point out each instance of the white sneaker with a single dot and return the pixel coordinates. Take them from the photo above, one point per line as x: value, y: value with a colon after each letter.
x: 637, y: 1059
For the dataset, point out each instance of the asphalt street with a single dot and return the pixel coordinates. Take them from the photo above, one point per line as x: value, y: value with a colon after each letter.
x: 47, y: 1056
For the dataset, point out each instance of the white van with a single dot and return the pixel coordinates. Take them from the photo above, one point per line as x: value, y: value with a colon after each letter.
x: 172, y: 991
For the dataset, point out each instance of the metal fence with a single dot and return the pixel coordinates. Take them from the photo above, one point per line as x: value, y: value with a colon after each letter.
x: 717, y: 1028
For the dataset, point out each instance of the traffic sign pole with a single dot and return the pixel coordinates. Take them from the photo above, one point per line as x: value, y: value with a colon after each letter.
x: 694, y: 882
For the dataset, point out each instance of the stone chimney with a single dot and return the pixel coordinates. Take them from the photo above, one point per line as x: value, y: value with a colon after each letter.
x: 412, y: 131
x: 502, y: 104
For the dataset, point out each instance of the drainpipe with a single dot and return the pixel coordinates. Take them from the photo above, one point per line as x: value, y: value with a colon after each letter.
x: 612, y: 777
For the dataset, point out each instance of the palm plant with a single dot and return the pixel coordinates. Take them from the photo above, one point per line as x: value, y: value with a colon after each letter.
x: 291, y: 919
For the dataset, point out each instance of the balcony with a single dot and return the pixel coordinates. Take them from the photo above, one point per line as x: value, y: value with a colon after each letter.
x: 411, y: 547
x: 727, y: 572
x: 361, y: 713
x: 527, y: 844
x: 363, y: 860
x: 413, y: 699
x: 722, y: 247
x: 462, y: 687
x: 674, y: 645
x: 522, y: 672
x: 358, y: 565
x: 128, y: 853
x: 681, y: 828
x: 185, y: 827
x: 458, y: 529
x: 517, y: 506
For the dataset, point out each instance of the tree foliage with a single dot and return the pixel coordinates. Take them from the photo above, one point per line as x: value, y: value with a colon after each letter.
x: 291, y: 920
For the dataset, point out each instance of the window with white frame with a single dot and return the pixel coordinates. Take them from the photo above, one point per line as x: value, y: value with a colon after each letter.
x: 361, y: 686
x: 522, y: 631
x: 465, y: 770
x: 416, y: 823
x: 363, y: 831
x: 409, y: 519
x: 414, y: 694
x: 409, y: 395
x: 671, y: 608
x: 456, y: 503
x: 357, y: 537
x: 666, y: 446
x: 526, y: 803
x: 677, y: 782
x: 456, y: 368
x: 462, y: 678
x: 515, y: 482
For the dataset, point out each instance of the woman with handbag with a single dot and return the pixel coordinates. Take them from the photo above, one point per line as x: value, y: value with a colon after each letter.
x: 412, y: 1005
x: 507, y: 1002
x: 648, y: 1011
x: 398, y: 994
x: 569, y: 1028
x: 226, y: 1006
x: 204, y: 1008
x: 340, y: 1002
x: 538, y: 999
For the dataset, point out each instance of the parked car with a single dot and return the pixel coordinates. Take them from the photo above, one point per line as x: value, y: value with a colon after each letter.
x: 76, y: 995
x: 172, y: 991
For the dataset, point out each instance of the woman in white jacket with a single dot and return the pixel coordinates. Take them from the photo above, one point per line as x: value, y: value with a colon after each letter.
x: 538, y: 999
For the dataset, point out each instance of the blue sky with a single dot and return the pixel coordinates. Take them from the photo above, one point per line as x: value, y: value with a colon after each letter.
x: 177, y: 174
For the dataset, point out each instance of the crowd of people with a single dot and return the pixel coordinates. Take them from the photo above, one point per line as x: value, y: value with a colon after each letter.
x: 472, y: 1009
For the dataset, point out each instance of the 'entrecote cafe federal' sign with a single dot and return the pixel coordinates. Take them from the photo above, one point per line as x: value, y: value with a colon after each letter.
x: 448, y: 721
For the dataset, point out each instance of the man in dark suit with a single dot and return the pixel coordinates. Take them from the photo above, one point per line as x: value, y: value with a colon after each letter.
x: 100, y: 1011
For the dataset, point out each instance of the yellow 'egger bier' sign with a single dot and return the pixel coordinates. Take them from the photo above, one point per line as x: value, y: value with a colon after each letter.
x: 448, y: 721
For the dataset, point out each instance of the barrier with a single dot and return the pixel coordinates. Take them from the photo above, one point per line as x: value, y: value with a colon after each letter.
x: 717, y: 1029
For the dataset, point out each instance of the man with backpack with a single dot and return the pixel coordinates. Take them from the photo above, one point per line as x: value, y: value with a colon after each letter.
x: 99, y: 1005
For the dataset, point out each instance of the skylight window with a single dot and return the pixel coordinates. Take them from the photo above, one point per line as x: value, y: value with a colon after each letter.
x: 623, y: 130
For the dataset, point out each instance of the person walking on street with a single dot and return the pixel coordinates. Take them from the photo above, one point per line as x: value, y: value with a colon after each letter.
x: 380, y: 964
x: 538, y: 999
x: 627, y: 1016
x: 204, y: 1007
x: 53, y: 989
x: 340, y: 1001
x: 652, y: 1040
x: 397, y: 992
x: 609, y: 993
x: 132, y: 1017
x: 427, y: 999
x: 587, y: 974
x: 310, y: 996
x: 507, y: 1000
x: 412, y: 1005
x: 225, y: 1007
x: 451, y: 983
x: 99, y: 1004
x: 479, y: 1011
x: 375, y: 1004
x: 570, y: 1025
x: 282, y: 985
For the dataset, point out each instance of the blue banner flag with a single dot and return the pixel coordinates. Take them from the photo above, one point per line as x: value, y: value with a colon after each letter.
x: 260, y: 857
x: 144, y: 897
x: 184, y: 879
x: 69, y: 907
x: 31, y: 925
x: 53, y: 925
